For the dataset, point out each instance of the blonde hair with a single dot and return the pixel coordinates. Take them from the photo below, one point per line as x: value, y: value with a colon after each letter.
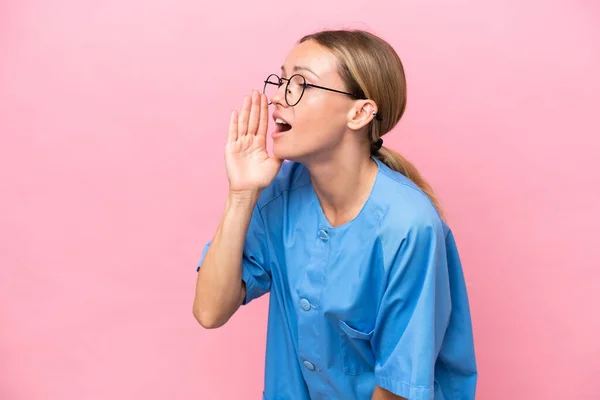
x: 371, y: 68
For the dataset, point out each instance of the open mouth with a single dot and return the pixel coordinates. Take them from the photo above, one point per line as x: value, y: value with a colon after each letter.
x: 281, y: 126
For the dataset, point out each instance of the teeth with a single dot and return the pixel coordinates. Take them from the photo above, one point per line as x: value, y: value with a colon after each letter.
x: 280, y: 121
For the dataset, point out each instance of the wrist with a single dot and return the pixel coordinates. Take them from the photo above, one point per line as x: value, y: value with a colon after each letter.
x: 243, y: 197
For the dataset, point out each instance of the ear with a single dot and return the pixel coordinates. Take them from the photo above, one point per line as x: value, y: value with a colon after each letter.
x: 361, y: 114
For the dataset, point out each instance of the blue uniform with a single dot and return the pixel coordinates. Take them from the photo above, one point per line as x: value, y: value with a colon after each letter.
x: 380, y: 300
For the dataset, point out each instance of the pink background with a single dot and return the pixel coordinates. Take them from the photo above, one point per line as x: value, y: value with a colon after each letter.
x: 113, y: 117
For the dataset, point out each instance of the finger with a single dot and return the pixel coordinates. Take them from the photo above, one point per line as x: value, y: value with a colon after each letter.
x: 243, y: 119
x: 254, y: 113
x: 263, y: 124
x: 233, y: 127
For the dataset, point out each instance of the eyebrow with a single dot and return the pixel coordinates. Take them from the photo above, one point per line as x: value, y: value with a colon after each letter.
x: 301, y: 68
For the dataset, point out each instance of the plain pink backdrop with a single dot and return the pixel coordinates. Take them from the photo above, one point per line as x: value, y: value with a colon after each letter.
x: 113, y: 117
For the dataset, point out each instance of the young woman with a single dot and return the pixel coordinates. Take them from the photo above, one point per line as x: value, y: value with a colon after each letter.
x: 367, y: 294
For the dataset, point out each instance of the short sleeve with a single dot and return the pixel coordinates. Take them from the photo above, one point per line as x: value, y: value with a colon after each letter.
x: 414, y: 314
x: 255, y: 265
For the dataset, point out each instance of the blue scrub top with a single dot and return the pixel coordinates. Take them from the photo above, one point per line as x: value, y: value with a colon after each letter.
x: 380, y: 300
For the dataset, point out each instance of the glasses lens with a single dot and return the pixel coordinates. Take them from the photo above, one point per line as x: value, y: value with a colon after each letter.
x: 271, y: 86
x: 295, y: 89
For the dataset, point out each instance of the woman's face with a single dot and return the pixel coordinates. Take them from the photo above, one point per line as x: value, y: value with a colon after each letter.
x: 319, y: 121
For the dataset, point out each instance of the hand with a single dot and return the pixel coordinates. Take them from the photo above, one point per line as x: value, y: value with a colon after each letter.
x: 248, y: 164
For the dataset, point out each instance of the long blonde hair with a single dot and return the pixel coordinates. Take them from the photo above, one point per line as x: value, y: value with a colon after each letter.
x: 371, y: 68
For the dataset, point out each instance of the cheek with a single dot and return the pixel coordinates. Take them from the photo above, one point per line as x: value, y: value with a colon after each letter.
x: 319, y: 119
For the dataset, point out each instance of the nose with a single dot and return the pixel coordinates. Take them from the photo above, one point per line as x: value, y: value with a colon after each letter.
x: 279, y: 96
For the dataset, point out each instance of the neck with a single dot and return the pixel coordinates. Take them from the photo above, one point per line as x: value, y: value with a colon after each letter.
x: 343, y: 183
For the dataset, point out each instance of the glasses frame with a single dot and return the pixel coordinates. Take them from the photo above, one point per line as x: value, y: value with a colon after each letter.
x: 304, y: 86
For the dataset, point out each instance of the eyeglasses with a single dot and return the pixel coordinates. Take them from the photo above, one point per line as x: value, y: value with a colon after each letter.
x: 294, y: 88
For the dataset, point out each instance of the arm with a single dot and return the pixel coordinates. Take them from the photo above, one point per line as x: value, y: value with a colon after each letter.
x: 219, y: 286
x: 414, y: 312
x: 382, y: 394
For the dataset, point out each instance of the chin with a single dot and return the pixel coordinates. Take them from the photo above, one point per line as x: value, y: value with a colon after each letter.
x: 292, y: 149
x: 286, y: 151
x: 283, y: 152
x: 301, y: 156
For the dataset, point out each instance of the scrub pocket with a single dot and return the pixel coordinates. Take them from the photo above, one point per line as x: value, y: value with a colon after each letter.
x: 357, y: 354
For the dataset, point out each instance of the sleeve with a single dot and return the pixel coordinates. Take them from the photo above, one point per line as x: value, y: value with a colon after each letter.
x: 413, y: 315
x: 255, y: 264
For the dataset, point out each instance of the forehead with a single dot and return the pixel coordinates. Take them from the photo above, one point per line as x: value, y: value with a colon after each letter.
x: 311, y: 55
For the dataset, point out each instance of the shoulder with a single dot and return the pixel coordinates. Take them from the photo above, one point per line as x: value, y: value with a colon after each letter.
x: 402, y: 208
x: 290, y: 177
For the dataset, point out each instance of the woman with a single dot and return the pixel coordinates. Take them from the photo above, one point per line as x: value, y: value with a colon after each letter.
x: 367, y: 294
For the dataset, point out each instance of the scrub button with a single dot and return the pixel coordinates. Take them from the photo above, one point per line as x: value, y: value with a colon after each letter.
x: 323, y: 235
x: 309, y: 365
x: 305, y: 304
